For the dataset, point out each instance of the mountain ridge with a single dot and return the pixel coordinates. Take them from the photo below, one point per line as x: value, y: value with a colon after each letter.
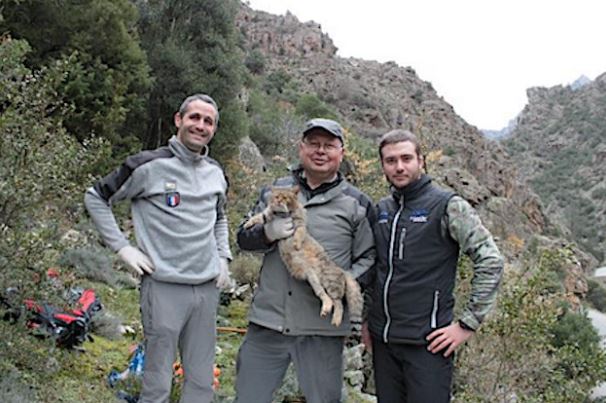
x: 558, y: 145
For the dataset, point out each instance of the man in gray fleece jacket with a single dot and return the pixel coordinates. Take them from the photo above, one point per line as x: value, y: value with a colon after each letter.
x: 285, y: 322
x: 178, y: 199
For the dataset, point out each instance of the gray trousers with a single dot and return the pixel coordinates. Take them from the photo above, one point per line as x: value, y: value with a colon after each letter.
x: 264, y: 357
x: 178, y: 317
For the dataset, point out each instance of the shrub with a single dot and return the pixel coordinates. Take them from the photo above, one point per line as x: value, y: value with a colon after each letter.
x: 523, y: 351
x: 42, y: 168
x: 245, y: 268
x: 90, y: 262
x: 276, y: 82
x: 255, y: 62
x: 42, y: 175
x: 575, y: 329
x: 310, y: 106
x: 596, y: 295
x: 107, y: 325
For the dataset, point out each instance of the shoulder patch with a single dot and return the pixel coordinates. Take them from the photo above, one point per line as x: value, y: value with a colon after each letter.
x: 110, y: 184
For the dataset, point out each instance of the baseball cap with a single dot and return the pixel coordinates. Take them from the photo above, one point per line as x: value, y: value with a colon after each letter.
x: 327, y: 125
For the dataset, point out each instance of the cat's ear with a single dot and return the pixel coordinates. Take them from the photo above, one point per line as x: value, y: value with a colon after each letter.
x: 296, y: 189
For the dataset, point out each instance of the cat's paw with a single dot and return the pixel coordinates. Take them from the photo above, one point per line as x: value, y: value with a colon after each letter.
x: 326, y: 308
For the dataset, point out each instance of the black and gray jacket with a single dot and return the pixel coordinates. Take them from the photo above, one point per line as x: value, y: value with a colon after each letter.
x: 338, y: 217
x: 418, y: 231
x: 178, y: 209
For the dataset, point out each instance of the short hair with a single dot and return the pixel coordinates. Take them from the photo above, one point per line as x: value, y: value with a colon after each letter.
x: 198, y: 97
x: 398, y: 136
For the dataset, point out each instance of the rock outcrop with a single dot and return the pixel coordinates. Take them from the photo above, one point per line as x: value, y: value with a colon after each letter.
x: 558, y: 146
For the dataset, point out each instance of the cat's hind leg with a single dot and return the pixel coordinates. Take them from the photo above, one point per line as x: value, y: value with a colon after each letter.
x: 327, y: 302
x: 337, y: 315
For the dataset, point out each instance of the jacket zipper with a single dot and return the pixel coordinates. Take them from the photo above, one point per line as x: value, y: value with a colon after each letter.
x: 434, y: 311
x: 392, y: 242
x: 401, y: 249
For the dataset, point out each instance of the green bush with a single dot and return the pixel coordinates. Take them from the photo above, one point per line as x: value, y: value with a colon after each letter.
x: 245, y: 268
x: 575, y: 329
x: 310, y: 106
x: 276, y: 82
x: 527, y: 347
x: 42, y: 168
x: 272, y: 127
x: 255, y: 62
x: 596, y: 295
x: 599, y: 193
x: 43, y: 171
x: 95, y: 264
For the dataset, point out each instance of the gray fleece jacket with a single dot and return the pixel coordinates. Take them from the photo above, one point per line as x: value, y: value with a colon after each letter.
x: 178, y: 209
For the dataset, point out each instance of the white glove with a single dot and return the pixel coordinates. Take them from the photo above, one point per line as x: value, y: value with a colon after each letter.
x: 279, y: 228
x: 224, y: 281
x: 136, y: 260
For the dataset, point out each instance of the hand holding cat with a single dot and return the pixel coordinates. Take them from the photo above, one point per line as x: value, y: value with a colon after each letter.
x: 279, y: 228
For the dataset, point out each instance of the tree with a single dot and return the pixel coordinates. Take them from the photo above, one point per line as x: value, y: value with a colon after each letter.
x: 42, y: 168
x: 192, y: 48
x: 109, y: 77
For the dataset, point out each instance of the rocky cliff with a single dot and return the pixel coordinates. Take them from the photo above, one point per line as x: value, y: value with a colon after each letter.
x: 373, y: 98
x: 559, y: 148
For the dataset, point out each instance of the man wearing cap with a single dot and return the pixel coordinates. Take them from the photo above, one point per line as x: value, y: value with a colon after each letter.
x: 285, y: 323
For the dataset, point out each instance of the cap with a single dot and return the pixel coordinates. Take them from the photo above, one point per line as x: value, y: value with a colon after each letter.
x: 327, y: 125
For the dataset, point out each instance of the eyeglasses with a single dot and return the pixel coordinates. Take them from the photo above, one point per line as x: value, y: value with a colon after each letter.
x: 328, y: 147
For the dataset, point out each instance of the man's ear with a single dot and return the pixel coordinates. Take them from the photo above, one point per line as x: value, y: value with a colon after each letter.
x: 177, y: 119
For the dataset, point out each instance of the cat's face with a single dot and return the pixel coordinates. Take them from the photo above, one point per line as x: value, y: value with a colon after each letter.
x: 284, y: 200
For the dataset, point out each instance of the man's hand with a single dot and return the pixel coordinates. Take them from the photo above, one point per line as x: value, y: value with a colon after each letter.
x: 136, y: 260
x: 279, y: 228
x: 448, y: 338
x: 224, y: 281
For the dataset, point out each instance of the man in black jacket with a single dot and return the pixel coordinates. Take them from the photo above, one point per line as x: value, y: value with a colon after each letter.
x: 419, y: 231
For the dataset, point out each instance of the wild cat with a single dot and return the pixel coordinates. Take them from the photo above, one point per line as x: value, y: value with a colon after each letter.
x: 307, y: 260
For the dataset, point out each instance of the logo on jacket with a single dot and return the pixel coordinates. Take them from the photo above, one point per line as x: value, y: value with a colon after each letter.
x: 419, y: 216
x: 383, y: 217
x: 172, y: 197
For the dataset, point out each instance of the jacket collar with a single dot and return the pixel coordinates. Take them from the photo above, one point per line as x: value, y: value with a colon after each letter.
x: 185, y: 153
x: 412, y: 190
x: 299, y: 175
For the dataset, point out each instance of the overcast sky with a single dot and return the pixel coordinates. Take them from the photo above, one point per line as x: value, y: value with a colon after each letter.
x: 480, y: 55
